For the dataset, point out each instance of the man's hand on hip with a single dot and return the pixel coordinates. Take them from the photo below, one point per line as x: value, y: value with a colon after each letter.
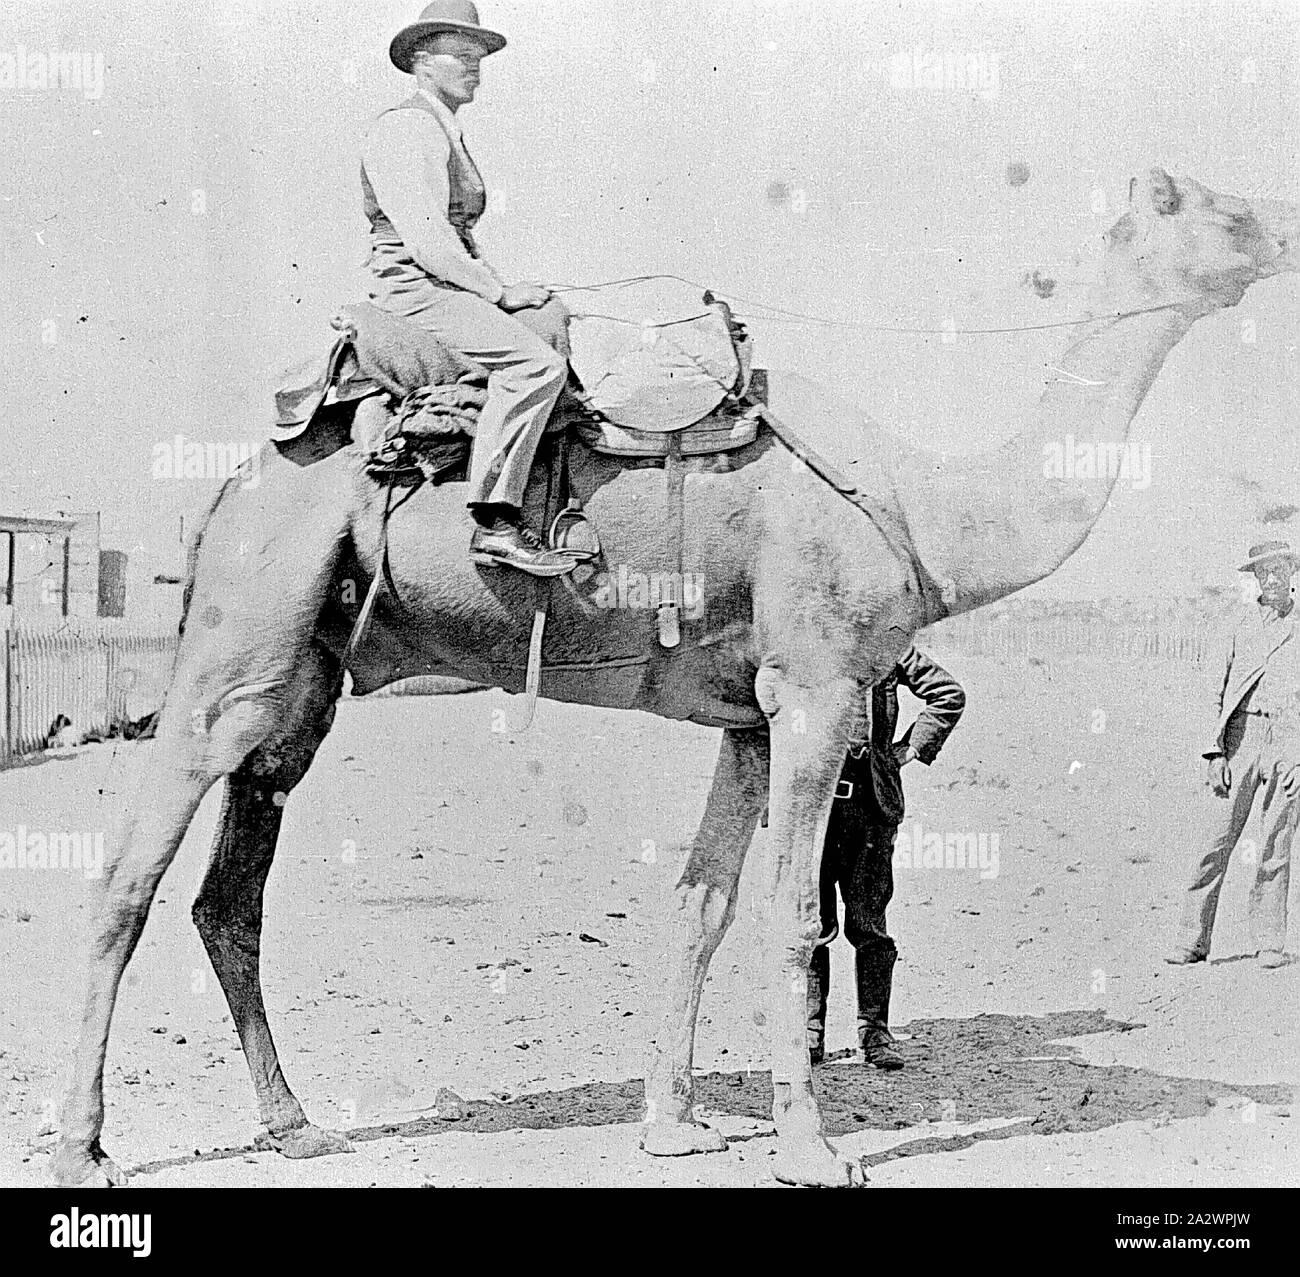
x: 903, y: 753
x: 523, y: 296
x: 1217, y: 776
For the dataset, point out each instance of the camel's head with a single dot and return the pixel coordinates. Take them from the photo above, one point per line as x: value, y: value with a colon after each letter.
x: 1187, y: 241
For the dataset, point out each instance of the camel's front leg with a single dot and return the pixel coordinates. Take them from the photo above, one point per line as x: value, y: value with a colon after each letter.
x: 809, y: 732
x: 704, y: 906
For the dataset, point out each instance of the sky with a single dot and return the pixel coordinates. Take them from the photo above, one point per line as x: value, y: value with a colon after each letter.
x: 179, y: 219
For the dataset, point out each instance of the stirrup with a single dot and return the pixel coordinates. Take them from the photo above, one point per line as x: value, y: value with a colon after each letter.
x: 572, y: 533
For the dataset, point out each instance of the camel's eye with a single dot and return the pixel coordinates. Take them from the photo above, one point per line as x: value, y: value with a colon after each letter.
x: 1167, y: 199
x: 1243, y: 224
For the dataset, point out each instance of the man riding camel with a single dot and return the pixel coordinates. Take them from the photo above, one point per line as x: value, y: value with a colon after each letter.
x: 423, y: 196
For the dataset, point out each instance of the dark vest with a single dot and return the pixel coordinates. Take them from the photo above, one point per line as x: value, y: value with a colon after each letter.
x: 467, y: 195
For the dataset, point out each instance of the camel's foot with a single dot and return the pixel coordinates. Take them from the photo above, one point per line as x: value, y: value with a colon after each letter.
x: 678, y: 1139
x: 814, y: 1164
x: 303, y: 1141
x: 82, y: 1166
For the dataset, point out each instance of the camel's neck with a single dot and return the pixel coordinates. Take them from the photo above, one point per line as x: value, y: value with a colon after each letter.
x: 988, y: 524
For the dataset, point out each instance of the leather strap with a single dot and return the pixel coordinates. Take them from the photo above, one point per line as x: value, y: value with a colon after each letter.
x: 894, y: 535
x: 533, y: 677
x: 541, y: 601
x: 670, y: 610
x: 383, y: 576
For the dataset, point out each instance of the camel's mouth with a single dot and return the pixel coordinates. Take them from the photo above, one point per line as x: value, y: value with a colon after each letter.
x: 1278, y: 220
x: 1261, y: 233
x: 1264, y: 232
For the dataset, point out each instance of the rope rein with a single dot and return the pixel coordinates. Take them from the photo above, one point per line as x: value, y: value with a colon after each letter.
x: 778, y: 314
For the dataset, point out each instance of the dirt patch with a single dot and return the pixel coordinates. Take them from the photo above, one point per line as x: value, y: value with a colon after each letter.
x: 992, y: 1067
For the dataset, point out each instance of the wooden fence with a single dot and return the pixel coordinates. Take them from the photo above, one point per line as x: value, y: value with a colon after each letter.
x: 96, y: 673
x: 1190, y: 641
x: 100, y: 674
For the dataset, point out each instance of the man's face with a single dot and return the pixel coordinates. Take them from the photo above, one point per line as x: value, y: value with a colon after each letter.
x: 449, y: 68
x: 1274, y: 580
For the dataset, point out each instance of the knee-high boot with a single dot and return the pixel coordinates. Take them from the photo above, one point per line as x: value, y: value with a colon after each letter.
x: 875, y: 974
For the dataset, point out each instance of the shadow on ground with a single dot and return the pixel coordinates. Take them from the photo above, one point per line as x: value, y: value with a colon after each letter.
x: 989, y: 1067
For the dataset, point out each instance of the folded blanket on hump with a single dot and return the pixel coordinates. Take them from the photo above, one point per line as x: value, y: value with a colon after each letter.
x: 376, y: 351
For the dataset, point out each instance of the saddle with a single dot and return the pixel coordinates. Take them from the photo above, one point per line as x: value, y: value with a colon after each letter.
x: 418, y: 401
x: 688, y: 394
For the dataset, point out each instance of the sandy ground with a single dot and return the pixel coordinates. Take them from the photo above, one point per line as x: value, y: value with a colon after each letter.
x: 458, y: 908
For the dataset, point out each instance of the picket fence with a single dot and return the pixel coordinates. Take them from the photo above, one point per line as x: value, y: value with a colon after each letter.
x: 99, y: 674
x: 103, y: 673
x: 1187, y: 641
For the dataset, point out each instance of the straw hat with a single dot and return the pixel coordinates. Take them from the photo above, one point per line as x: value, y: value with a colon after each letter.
x: 1267, y: 552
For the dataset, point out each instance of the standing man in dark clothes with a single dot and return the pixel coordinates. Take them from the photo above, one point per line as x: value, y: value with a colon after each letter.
x: 858, y: 855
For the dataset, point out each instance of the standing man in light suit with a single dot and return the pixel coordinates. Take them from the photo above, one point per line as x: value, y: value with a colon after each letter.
x: 423, y: 196
x: 1254, y: 762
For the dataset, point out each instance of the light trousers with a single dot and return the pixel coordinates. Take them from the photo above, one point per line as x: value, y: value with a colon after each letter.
x: 1258, y: 761
x: 525, y: 374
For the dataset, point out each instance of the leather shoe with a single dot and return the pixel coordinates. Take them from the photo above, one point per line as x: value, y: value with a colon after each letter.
x: 1182, y: 957
x: 880, y: 1048
x: 505, y: 544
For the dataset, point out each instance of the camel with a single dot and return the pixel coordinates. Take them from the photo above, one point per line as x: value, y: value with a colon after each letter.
x: 806, y: 603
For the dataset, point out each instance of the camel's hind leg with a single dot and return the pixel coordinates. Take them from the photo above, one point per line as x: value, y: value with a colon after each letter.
x: 705, y: 906
x: 174, y: 775
x: 166, y: 799
x: 263, y: 572
x: 228, y: 909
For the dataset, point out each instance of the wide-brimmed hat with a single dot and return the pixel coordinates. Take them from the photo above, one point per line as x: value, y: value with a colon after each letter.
x: 456, y: 16
x: 1266, y: 552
